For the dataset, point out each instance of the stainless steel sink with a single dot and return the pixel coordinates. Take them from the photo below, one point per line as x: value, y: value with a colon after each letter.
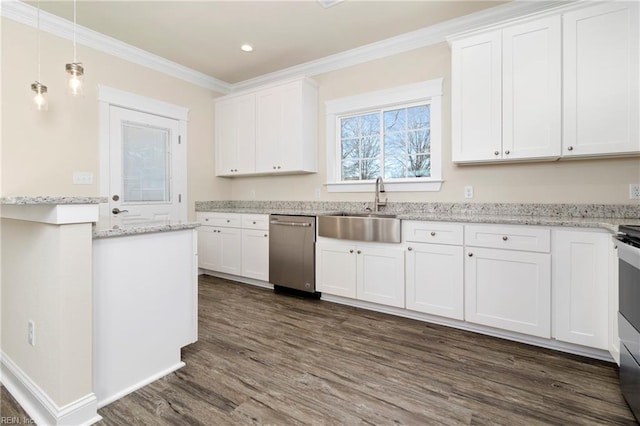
x: 384, y: 228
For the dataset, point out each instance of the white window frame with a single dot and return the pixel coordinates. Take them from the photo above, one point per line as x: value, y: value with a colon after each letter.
x: 426, y: 91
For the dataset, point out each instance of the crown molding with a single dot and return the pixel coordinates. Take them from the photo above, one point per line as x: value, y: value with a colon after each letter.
x: 52, y: 24
x: 405, y: 42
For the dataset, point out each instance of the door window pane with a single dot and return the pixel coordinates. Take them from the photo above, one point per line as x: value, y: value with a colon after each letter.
x: 145, y: 163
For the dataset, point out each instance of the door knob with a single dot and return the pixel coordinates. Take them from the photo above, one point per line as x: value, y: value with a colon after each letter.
x: 118, y: 211
x: 116, y: 197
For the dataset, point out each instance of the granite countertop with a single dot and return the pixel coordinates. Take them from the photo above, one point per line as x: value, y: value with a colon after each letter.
x: 607, y: 217
x: 35, y: 200
x: 108, y: 227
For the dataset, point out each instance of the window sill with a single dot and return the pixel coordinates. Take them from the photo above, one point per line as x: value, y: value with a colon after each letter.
x: 369, y: 186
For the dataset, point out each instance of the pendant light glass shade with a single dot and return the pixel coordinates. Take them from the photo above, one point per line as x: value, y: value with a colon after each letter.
x: 40, y: 99
x: 75, y: 81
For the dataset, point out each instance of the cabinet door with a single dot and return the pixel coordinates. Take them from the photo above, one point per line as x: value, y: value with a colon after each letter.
x: 230, y: 251
x: 531, y: 72
x: 235, y: 136
x: 255, y: 254
x: 278, y: 129
x: 435, y: 280
x: 580, y: 287
x: 336, y: 269
x: 208, y: 248
x: 380, y: 276
x: 477, y: 98
x: 510, y: 290
x: 600, y: 79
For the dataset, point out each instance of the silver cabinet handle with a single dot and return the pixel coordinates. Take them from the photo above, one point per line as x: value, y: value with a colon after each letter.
x: 470, y: 255
x: 570, y: 148
x: 505, y: 238
x: 351, y: 251
x: 275, y: 222
x: 278, y: 167
x: 266, y: 235
x: 206, y: 219
x: 254, y: 222
x: 358, y: 252
x: 118, y: 211
x: 433, y: 234
x: 496, y: 153
x: 409, y: 248
x: 507, y: 152
x: 228, y: 220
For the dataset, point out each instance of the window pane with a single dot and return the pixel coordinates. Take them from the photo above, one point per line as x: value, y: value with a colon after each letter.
x: 395, y: 167
x: 419, y: 166
x: 350, y: 148
x: 370, y: 147
x: 145, y: 163
x: 350, y: 169
x: 418, y: 141
x: 349, y: 127
x: 370, y: 168
x: 418, y: 117
x: 395, y: 120
x: 395, y: 145
x: 370, y: 124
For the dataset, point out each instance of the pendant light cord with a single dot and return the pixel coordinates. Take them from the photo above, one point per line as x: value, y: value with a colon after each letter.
x: 74, y: 30
x: 38, y: 39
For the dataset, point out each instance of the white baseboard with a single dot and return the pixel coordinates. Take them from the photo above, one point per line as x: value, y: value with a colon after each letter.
x: 237, y: 278
x: 111, y: 398
x: 463, y: 325
x: 39, y: 406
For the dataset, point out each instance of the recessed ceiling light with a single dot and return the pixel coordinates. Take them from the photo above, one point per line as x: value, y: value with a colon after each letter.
x: 246, y: 48
x: 328, y: 3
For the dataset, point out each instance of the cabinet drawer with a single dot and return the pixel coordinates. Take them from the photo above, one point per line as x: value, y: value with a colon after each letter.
x: 255, y: 221
x: 229, y: 220
x: 508, y: 237
x: 432, y: 232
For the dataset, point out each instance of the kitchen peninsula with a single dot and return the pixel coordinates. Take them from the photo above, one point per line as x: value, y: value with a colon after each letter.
x: 92, y: 308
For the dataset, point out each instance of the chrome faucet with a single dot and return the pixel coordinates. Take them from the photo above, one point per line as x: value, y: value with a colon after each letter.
x: 379, y: 189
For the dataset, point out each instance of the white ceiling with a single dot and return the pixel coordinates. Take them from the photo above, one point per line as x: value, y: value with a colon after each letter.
x: 206, y: 35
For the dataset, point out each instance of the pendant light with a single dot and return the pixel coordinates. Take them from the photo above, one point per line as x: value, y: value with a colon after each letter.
x: 40, y: 99
x: 75, y: 68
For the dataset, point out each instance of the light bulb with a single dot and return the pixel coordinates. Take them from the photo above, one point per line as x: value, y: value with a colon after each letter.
x: 40, y: 99
x: 75, y: 80
x: 75, y: 85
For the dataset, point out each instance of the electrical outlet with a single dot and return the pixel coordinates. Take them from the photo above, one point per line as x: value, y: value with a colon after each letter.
x: 31, y: 336
x: 82, y: 178
x: 468, y: 192
x: 634, y: 191
x: 317, y: 193
x: 252, y: 194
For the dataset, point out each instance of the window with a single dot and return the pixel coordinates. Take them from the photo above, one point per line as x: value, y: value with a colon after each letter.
x: 393, y: 133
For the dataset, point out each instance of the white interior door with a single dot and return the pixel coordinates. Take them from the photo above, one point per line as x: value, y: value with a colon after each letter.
x: 147, y: 172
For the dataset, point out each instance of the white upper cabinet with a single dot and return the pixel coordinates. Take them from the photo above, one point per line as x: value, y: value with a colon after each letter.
x: 601, y: 77
x: 272, y: 130
x: 286, y: 128
x: 235, y: 132
x: 476, y: 92
x: 506, y: 93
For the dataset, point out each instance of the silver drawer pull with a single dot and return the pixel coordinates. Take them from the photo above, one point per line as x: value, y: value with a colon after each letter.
x: 433, y: 234
x: 505, y: 238
x: 470, y: 255
x: 351, y: 251
x: 409, y: 248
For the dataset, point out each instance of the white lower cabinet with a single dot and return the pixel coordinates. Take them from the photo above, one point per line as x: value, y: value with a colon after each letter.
x: 234, y: 244
x: 509, y: 289
x: 435, y: 279
x: 373, y: 273
x: 580, y: 287
x: 255, y: 254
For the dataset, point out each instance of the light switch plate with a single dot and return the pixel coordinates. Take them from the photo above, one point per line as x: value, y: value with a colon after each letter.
x: 468, y: 192
x: 82, y: 178
x: 634, y: 191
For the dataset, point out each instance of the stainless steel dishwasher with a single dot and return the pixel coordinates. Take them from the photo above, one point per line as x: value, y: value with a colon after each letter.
x: 292, y: 260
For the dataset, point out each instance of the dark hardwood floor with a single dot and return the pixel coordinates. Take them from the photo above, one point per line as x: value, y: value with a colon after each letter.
x: 264, y: 358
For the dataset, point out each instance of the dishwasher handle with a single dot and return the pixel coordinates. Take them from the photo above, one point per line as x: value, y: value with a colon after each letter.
x: 303, y: 224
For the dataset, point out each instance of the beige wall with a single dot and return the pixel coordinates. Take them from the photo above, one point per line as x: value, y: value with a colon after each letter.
x: 577, y: 181
x: 40, y: 151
